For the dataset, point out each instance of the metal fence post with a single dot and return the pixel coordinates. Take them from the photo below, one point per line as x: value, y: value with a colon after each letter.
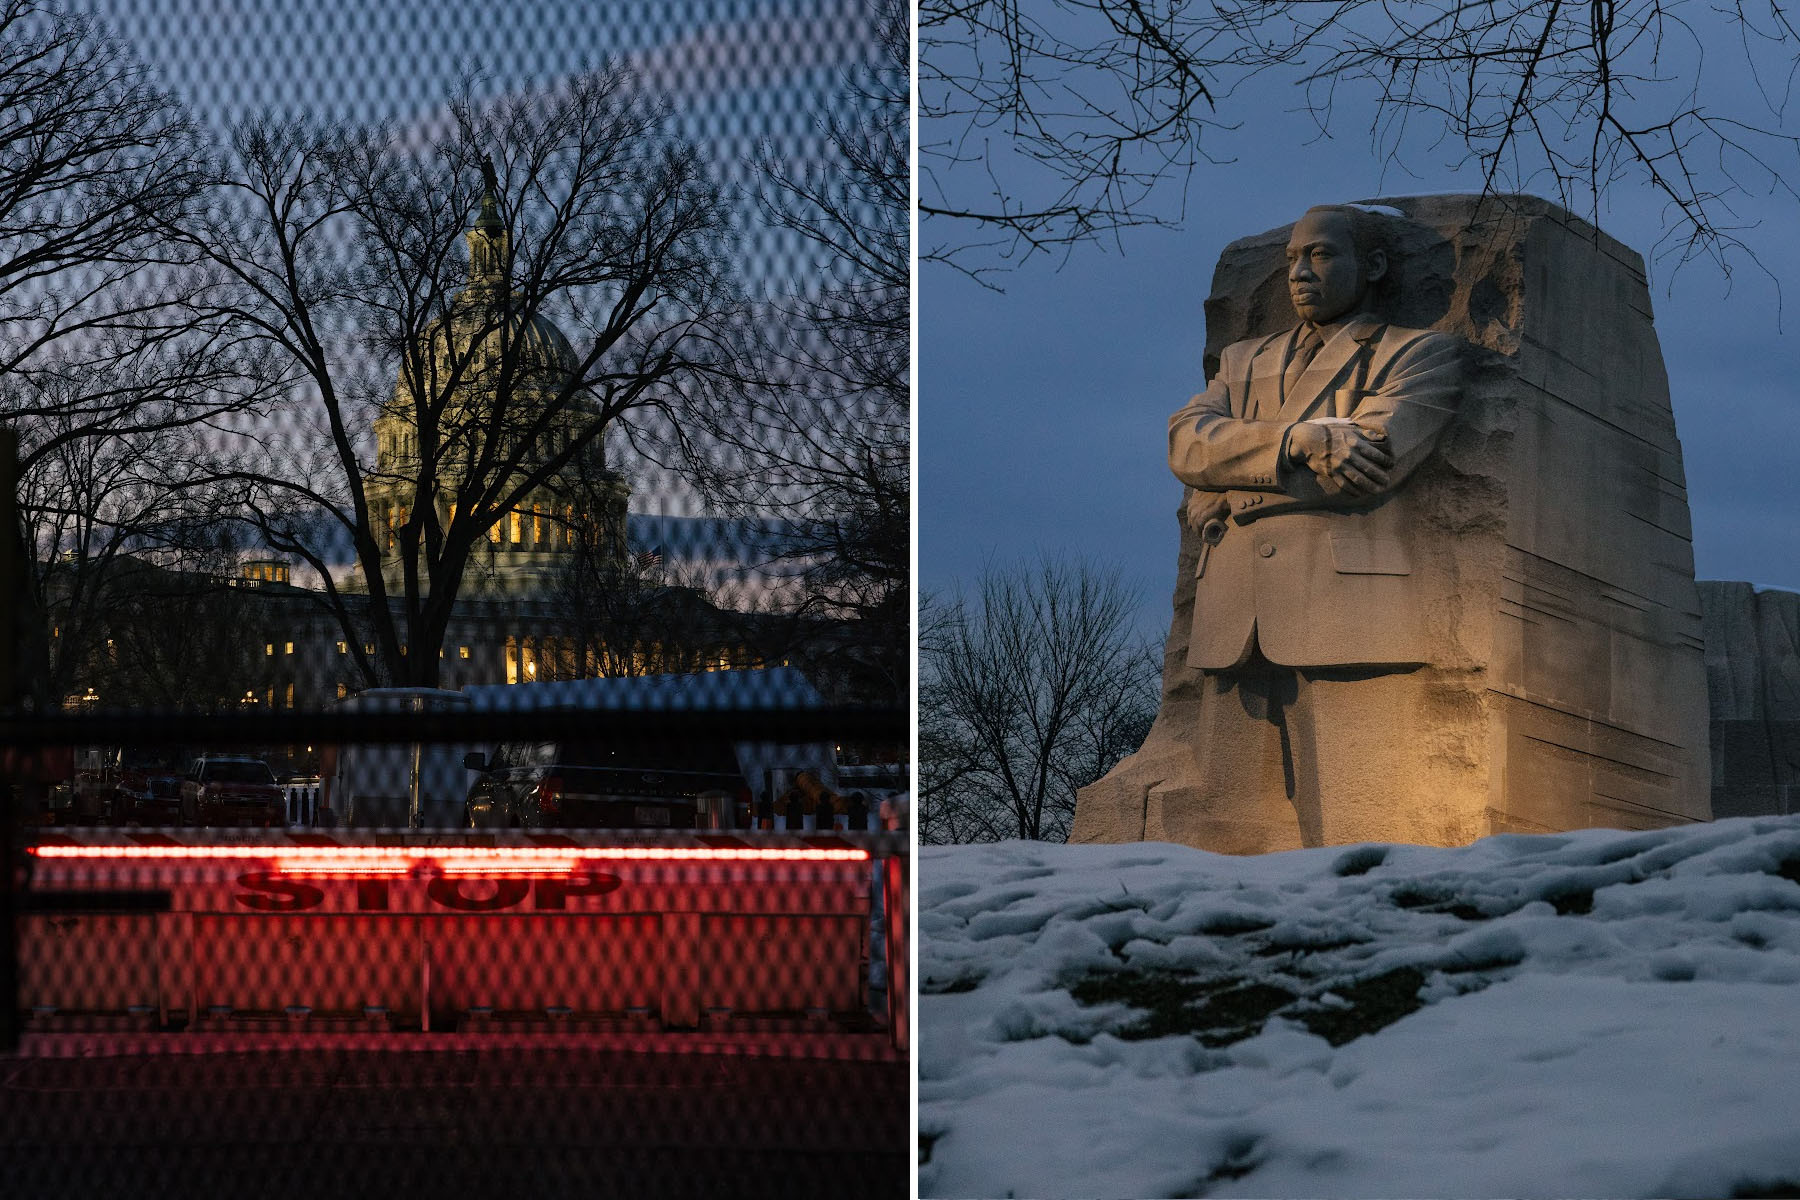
x: 899, y: 974
x: 12, y: 587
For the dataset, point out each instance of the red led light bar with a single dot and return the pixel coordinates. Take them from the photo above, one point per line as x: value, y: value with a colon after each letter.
x: 524, y: 868
x: 548, y: 866
x: 290, y: 867
x: 406, y: 858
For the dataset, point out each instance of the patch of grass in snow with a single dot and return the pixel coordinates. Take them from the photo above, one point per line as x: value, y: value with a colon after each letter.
x: 1373, y: 1005
x: 1238, y: 1013
x: 1240, y: 1159
x: 1789, y: 869
x: 1777, y: 1189
x: 1359, y: 861
x: 948, y: 987
x: 1168, y: 997
x: 1621, y: 850
x: 1296, y: 948
x: 1220, y: 1011
x: 1425, y: 899
x: 1229, y: 924
x: 1578, y: 901
x: 1217, y: 1011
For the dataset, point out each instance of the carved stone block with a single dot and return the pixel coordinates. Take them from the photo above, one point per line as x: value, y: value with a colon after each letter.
x: 1551, y: 568
x: 1753, y: 681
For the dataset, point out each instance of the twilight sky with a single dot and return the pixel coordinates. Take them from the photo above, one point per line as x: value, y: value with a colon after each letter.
x: 737, y: 75
x: 1043, y: 411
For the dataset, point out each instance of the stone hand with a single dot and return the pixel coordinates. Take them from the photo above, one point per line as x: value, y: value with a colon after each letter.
x: 1345, y: 457
x: 1203, y: 506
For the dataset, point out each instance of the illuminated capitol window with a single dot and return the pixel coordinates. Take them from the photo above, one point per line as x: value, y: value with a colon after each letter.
x: 265, y: 570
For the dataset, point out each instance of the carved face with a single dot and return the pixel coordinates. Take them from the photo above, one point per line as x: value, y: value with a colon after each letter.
x: 1326, y: 280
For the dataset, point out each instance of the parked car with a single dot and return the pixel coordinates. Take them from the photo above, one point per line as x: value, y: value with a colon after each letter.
x: 596, y: 785
x: 149, y: 788
x: 231, y: 791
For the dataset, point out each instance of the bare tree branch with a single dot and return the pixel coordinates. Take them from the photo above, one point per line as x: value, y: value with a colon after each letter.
x: 106, y: 376
x: 1031, y: 690
x: 1053, y: 124
x: 823, y: 435
x: 341, y: 253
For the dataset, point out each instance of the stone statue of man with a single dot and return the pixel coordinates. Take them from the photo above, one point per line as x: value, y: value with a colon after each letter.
x: 1418, y: 603
x: 1307, y: 619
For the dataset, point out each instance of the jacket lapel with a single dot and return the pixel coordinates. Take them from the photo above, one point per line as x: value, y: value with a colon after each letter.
x: 1302, y: 396
x: 1265, y: 377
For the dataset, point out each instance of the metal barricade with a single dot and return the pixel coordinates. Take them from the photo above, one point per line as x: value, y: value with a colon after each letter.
x: 720, y: 930
x: 302, y: 801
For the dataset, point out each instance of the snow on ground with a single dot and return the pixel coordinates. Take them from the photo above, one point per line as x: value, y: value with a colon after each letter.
x: 1594, y: 1013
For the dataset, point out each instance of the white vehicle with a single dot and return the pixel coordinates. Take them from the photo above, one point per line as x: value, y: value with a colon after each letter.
x: 398, y: 785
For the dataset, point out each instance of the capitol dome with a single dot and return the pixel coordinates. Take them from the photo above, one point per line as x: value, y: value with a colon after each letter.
x: 543, y: 354
x: 479, y: 350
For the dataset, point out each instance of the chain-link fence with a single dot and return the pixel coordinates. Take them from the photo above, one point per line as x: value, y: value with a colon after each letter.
x: 454, y: 699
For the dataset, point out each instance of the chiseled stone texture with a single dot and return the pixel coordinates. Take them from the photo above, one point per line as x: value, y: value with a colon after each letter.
x: 1753, y: 689
x: 1553, y: 550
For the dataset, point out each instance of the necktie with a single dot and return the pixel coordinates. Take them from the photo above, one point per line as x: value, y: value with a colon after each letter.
x: 1310, y: 345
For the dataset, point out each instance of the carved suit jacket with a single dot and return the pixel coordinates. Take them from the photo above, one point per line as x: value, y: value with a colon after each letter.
x: 1313, y: 577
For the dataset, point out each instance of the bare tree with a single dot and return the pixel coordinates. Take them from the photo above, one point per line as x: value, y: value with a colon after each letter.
x: 87, y: 147
x: 825, y: 436
x: 1033, y: 689
x: 1049, y: 124
x: 180, y: 630
x: 626, y: 610
x: 95, y: 336
x: 341, y: 253
x: 104, y: 374
x: 80, y: 505
x: 109, y: 463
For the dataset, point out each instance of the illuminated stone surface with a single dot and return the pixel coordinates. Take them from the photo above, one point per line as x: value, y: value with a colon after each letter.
x: 1548, y: 587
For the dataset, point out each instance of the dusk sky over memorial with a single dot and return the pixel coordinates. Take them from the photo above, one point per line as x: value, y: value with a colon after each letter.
x: 1043, y: 408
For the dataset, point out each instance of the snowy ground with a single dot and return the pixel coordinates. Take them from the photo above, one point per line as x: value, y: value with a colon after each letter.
x: 1589, y: 1014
